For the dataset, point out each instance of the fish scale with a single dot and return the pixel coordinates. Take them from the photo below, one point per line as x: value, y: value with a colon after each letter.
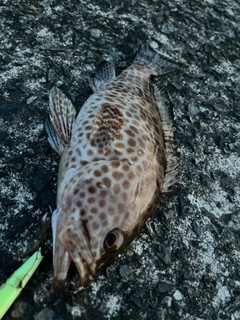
x: 113, y: 164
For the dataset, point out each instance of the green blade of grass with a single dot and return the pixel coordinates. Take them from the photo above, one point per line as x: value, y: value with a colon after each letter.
x: 14, y: 285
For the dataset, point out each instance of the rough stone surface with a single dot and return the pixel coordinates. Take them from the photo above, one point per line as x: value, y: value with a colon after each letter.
x: 125, y: 271
x: 47, y: 43
x: 45, y: 314
x: 19, y: 309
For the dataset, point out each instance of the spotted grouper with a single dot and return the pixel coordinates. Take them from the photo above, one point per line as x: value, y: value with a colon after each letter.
x: 116, y: 158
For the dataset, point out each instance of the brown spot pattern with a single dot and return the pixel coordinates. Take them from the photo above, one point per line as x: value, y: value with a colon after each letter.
x: 117, y: 175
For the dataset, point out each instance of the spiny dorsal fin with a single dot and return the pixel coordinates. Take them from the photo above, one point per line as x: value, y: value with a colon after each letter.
x: 62, y: 116
x: 165, y: 110
x: 105, y: 73
x: 107, y: 125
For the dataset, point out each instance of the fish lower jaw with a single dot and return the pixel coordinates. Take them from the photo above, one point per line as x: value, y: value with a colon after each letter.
x: 59, y: 280
x: 86, y: 273
x: 85, y: 282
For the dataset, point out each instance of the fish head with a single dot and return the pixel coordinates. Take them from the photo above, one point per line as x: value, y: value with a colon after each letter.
x: 89, y: 228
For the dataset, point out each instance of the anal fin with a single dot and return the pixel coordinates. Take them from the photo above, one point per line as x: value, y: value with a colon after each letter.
x: 105, y: 73
x: 165, y: 110
x: 62, y: 116
x: 107, y: 125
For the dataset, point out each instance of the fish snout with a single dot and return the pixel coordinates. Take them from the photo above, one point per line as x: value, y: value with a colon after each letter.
x: 86, y: 274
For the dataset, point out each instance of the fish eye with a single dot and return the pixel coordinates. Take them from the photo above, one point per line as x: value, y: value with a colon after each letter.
x: 113, y: 240
x: 110, y: 239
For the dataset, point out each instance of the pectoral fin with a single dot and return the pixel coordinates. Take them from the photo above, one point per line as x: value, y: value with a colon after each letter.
x: 62, y: 116
x: 53, y: 138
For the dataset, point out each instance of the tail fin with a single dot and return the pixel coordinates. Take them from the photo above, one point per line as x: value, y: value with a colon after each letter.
x: 158, y: 62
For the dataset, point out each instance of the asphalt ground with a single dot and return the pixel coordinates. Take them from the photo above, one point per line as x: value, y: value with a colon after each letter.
x: 185, y: 263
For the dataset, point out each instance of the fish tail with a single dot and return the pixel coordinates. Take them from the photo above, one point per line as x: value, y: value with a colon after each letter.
x: 158, y: 62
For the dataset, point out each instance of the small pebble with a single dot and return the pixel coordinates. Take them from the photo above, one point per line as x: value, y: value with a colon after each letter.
x: 74, y: 310
x: 192, y: 293
x: 45, y: 314
x: 193, y: 110
x: 167, y: 301
x: 235, y: 147
x: 177, y: 295
x: 169, y: 214
x: 31, y: 99
x: 19, y: 309
x: 154, y: 45
x: 137, y: 299
x: 180, y: 253
x: 89, y: 55
x: 195, y: 228
x: 165, y: 253
x: 163, y: 286
x: 95, y: 33
x: 125, y: 271
x: 29, y: 152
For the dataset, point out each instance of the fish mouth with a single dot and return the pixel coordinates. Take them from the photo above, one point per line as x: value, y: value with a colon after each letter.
x: 72, y: 247
x: 86, y: 274
x: 85, y: 270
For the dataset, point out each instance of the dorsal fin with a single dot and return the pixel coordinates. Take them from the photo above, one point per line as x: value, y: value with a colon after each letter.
x: 105, y: 73
x: 165, y: 110
x: 62, y: 116
x: 107, y: 125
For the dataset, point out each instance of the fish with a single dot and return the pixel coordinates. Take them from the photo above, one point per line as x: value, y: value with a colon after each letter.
x: 117, y: 157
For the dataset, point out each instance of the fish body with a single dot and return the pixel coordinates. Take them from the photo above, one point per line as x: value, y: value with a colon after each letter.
x: 114, y: 163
